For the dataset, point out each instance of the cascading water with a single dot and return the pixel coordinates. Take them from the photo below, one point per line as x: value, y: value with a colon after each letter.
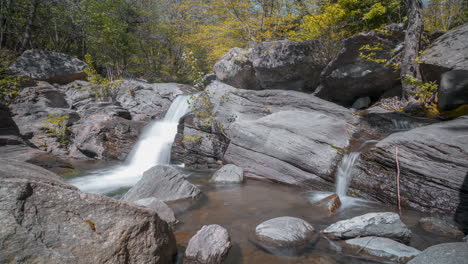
x: 153, y: 148
x: 343, y: 174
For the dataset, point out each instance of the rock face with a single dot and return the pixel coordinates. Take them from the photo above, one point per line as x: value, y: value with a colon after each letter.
x: 434, y: 167
x: 285, y: 232
x: 265, y: 133
x: 440, y: 226
x: 163, y: 183
x: 373, y: 224
x: 288, y: 65
x: 382, y: 248
x: 229, y: 174
x: 350, y: 76
x: 235, y: 68
x: 46, y: 221
x: 9, y: 132
x: 449, y: 253
x: 329, y: 204
x: 453, y: 89
x: 164, y: 211
x: 448, y: 52
x: 210, y: 245
x: 48, y: 66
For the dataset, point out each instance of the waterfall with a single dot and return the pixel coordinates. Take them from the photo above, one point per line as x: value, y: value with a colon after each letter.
x: 153, y: 148
x: 343, y: 174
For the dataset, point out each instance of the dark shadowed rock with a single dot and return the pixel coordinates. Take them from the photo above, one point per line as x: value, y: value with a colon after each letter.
x: 288, y: 65
x: 465, y: 239
x: 45, y: 221
x: 448, y: 52
x: 235, y: 69
x: 329, y: 204
x: 440, y: 226
x: 453, y: 90
x: 9, y: 132
x: 210, y: 245
x: 373, y: 224
x: 164, y: 183
x: 229, y: 174
x: 381, y: 248
x: 48, y: 66
x: 350, y: 76
x: 449, y: 253
x: 362, y: 103
x: 434, y: 164
x: 164, y: 211
x: 285, y: 232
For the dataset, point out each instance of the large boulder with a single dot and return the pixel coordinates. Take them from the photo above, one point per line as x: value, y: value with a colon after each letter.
x: 433, y: 164
x: 372, y: 224
x: 449, y: 253
x: 210, y: 245
x: 285, y: 136
x: 235, y: 68
x: 164, y: 183
x: 350, y: 76
x: 381, y: 248
x: 229, y: 174
x: 448, y: 52
x: 285, y: 232
x: 48, y: 66
x: 163, y: 210
x: 46, y: 221
x: 288, y: 65
x: 453, y: 90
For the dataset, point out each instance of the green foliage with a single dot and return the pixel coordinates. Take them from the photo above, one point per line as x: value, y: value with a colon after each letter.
x: 426, y: 90
x: 101, y: 86
x: 10, y: 85
x: 57, y: 127
x: 370, y: 53
x: 202, y: 107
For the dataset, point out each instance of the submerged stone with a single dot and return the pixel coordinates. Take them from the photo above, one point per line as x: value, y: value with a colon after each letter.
x: 229, y: 174
x: 329, y: 204
x: 440, y: 226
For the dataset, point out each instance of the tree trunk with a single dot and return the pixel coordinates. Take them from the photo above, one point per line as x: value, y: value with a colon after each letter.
x: 29, y: 25
x: 409, y: 66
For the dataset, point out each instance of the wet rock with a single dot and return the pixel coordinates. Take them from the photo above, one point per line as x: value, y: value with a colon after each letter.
x: 448, y: 52
x: 465, y: 239
x: 453, y: 90
x: 362, y: 103
x: 382, y: 248
x: 329, y: 204
x: 210, y: 245
x: 147, y: 101
x: 235, y: 69
x: 350, y: 76
x: 229, y: 174
x: 373, y: 224
x: 45, y: 221
x: 288, y: 65
x: 264, y: 133
x: 440, y: 226
x: 285, y: 232
x: 48, y: 66
x: 164, y: 211
x: 433, y: 164
x: 449, y: 253
x: 164, y: 183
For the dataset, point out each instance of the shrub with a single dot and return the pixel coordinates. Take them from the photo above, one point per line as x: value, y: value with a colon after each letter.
x: 57, y: 127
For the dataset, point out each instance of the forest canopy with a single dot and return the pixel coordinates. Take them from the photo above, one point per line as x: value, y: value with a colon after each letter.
x: 180, y: 40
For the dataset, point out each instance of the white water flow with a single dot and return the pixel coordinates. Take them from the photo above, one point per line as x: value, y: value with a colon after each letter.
x: 344, y: 173
x: 153, y: 148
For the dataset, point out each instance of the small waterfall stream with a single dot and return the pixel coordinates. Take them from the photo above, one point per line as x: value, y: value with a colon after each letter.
x: 153, y: 148
x: 343, y: 174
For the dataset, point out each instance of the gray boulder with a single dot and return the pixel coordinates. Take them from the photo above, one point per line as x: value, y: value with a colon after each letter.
x: 372, y: 224
x: 349, y: 76
x: 210, y: 245
x: 164, y: 211
x: 362, y: 103
x: 448, y: 52
x: 453, y: 90
x: 48, y: 66
x: 288, y: 65
x: 465, y: 239
x: 235, y: 69
x: 164, y: 183
x: 449, y: 253
x: 284, y: 136
x: 440, y: 226
x: 285, y: 232
x: 229, y: 174
x: 382, y: 248
x: 434, y: 165
x: 46, y: 221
